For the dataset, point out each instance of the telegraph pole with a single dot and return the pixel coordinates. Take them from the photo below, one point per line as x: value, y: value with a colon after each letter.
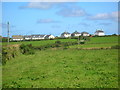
x: 8, y: 31
x: 78, y: 40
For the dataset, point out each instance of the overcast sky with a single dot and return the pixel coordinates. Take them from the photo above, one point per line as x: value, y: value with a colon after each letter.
x: 28, y: 18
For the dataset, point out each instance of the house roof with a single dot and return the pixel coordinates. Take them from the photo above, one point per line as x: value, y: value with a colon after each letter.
x: 99, y: 31
x: 17, y: 36
x: 65, y: 33
x: 5, y: 37
x: 84, y: 33
x: 27, y: 36
x: 39, y: 35
x: 47, y: 36
x: 76, y: 32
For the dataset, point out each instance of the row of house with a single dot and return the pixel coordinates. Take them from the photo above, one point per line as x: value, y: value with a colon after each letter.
x: 63, y: 35
x: 76, y: 33
x: 31, y: 37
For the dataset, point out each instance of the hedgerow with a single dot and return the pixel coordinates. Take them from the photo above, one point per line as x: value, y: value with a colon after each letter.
x: 26, y: 49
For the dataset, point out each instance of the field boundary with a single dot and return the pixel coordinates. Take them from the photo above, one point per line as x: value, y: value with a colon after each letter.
x: 94, y: 48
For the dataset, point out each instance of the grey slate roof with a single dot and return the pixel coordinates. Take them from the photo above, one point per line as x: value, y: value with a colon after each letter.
x: 38, y: 36
x: 99, y: 31
x: 76, y: 32
x: 65, y: 33
x: 84, y: 33
x: 27, y: 36
x: 17, y: 37
x: 47, y: 36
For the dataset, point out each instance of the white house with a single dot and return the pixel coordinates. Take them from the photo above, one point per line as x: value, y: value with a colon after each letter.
x: 85, y: 34
x: 99, y: 33
x: 17, y: 38
x: 65, y: 35
x: 37, y: 37
x: 49, y: 37
x: 75, y: 34
x: 28, y: 37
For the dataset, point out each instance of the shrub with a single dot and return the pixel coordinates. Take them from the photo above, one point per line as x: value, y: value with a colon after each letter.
x: 9, y: 53
x: 26, y: 49
x: 51, y: 38
x: 58, y: 42
x: 0, y: 58
x: 116, y: 47
x: 4, y: 54
x: 65, y: 47
x: 82, y: 42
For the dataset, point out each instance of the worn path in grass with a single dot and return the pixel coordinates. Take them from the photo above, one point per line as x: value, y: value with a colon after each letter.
x: 63, y: 68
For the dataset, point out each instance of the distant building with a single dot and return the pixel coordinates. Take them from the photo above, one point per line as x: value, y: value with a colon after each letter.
x: 99, y: 33
x: 65, y: 35
x: 85, y: 34
x: 75, y: 34
x: 49, y: 37
x: 37, y: 37
x: 17, y: 38
x: 27, y: 37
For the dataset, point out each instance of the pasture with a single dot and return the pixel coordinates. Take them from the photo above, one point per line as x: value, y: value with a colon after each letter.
x: 40, y: 43
x: 65, y: 68
x: 94, y: 42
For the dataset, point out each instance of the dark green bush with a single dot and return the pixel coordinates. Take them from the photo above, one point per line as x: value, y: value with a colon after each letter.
x: 116, y: 47
x: 58, y: 42
x: 26, y: 49
x: 65, y: 47
x: 82, y: 41
x: 51, y: 38
x: 0, y: 58
x: 4, y: 55
x: 9, y: 53
x: 57, y: 45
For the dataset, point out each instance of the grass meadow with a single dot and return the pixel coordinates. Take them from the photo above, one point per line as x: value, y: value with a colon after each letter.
x: 40, y: 43
x: 65, y: 68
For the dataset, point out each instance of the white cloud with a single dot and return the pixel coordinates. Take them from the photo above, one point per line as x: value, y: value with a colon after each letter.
x: 56, y: 26
x: 3, y: 25
x: 39, y: 5
x: 105, y: 24
x: 47, y: 21
x: 60, y: 0
x: 105, y: 16
x: 71, y: 11
x: 84, y: 24
x: 43, y: 5
x: 54, y: 0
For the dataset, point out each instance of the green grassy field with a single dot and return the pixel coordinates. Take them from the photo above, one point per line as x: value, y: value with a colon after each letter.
x: 98, y: 40
x: 40, y: 43
x: 63, y: 68
x: 52, y: 68
x: 101, y: 45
